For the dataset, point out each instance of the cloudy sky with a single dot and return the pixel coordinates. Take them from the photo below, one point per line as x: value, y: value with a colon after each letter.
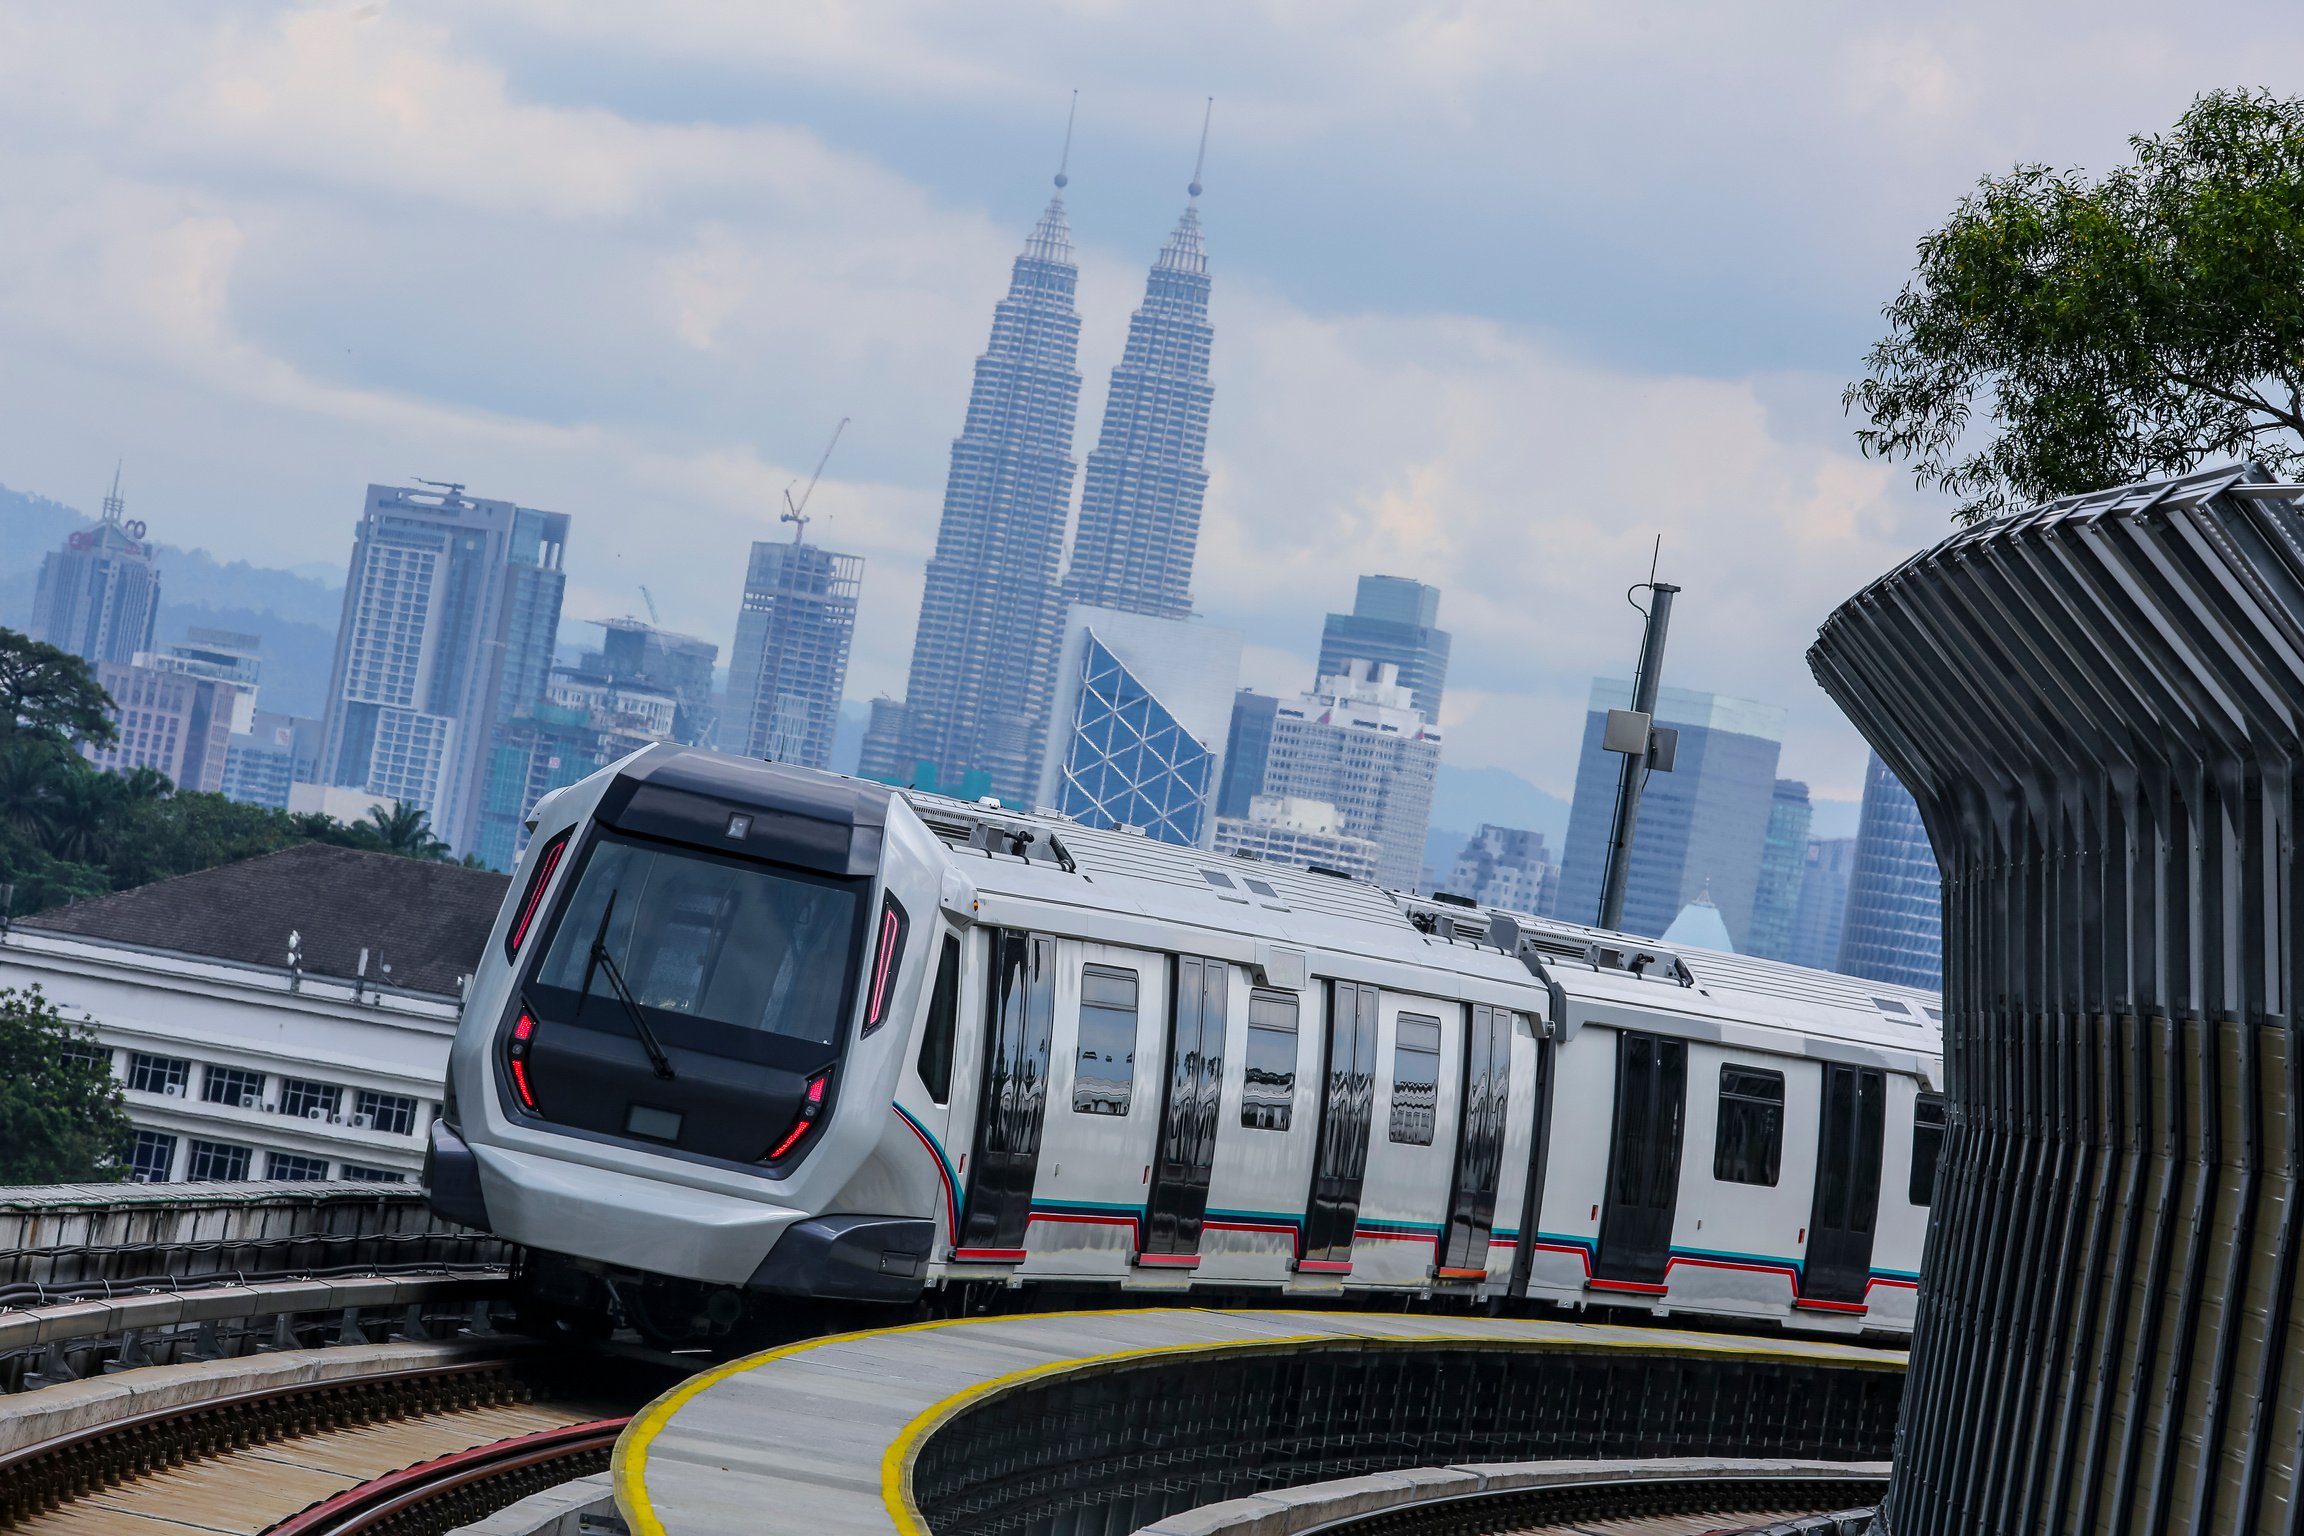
x: 1504, y: 288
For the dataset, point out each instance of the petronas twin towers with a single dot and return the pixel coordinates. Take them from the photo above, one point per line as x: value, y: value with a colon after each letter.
x: 992, y: 616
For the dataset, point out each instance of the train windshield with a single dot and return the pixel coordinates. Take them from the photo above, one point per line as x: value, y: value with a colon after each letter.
x: 742, y: 945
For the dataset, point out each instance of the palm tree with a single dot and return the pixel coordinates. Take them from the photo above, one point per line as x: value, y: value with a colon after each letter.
x: 79, y: 815
x: 28, y: 774
x: 404, y: 830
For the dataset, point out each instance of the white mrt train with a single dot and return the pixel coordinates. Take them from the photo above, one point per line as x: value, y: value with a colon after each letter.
x: 747, y: 1031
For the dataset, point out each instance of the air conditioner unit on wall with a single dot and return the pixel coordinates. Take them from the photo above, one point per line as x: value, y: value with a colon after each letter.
x: 363, y: 1122
x: 315, y: 1113
x: 173, y: 1091
x: 251, y: 1100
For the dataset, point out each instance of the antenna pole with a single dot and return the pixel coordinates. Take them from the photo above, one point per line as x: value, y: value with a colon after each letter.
x: 1617, y: 874
x: 1064, y: 161
x: 1200, y: 161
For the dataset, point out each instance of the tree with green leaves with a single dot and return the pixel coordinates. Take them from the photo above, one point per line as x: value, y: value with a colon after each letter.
x: 63, y: 1118
x: 2063, y: 334
x: 50, y: 693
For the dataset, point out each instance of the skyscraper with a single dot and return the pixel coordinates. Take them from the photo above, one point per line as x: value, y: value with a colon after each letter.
x: 1140, y: 500
x: 634, y: 653
x: 1393, y: 619
x: 1895, y: 926
x: 1823, y: 908
x: 991, y: 613
x: 1702, y: 826
x: 176, y: 722
x: 451, y: 608
x: 1246, y: 746
x: 1783, y: 866
x: 1137, y: 734
x: 1506, y: 867
x: 99, y: 595
x: 791, y: 659
x: 1357, y: 744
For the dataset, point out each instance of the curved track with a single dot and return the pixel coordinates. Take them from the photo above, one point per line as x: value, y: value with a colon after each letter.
x: 403, y: 1452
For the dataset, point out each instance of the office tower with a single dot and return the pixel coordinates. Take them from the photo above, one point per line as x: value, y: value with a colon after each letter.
x: 451, y: 607
x: 275, y: 752
x: 1702, y: 826
x: 1396, y: 620
x: 991, y: 613
x: 1356, y: 743
x: 881, y: 754
x: 1247, y: 744
x: 791, y: 659
x: 1506, y: 867
x: 175, y: 722
x: 99, y: 595
x: 1823, y: 909
x: 1297, y: 832
x: 1895, y: 926
x: 1783, y: 867
x: 1140, y: 710
x: 1140, y: 498
x: 224, y: 655
x: 643, y: 655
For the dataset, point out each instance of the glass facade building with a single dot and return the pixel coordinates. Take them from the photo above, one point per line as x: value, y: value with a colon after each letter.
x: 451, y: 610
x: 991, y: 612
x: 1783, y: 869
x: 1141, y: 705
x: 1895, y: 925
x: 1141, y: 495
x: 1702, y: 827
x: 1393, y: 619
x: 1247, y: 744
x: 99, y: 595
x: 1823, y: 909
x: 790, y: 665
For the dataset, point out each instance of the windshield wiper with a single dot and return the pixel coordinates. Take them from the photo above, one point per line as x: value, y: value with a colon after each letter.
x: 604, y: 962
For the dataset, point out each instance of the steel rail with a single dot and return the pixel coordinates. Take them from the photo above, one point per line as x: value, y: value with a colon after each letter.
x: 454, y: 1489
x: 1615, y: 1499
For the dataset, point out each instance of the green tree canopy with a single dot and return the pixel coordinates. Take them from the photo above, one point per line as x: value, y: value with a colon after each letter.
x: 2112, y: 330
x: 50, y: 693
x: 63, y: 1119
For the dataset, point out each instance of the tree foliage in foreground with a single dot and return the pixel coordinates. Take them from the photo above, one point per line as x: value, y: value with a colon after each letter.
x: 63, y: 1117
x: 69, y: 832
x: 2062, y: 335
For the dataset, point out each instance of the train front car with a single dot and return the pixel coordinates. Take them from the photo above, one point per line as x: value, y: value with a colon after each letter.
x: 671, y: 1080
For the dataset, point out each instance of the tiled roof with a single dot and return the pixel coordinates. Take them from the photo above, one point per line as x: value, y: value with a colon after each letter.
x: 427, y: 921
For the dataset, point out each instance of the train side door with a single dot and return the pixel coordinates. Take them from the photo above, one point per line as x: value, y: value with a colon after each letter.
x: 1178, y: 1201
x: 1012, y: 1103
x: 1643, y: 1159
x: 1347, y: 1107
x: 1487, y: 1079
x: 1840, y: 1225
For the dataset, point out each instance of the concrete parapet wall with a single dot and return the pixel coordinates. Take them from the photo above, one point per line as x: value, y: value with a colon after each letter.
x: 2099, y: 707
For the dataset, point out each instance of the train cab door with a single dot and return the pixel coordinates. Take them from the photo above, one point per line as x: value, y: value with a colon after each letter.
x: 1643, y: 1192
x: 1012, y: 1101
x: 1177, y: 1202
x: 1841, y: 1223
x: 1347, y: 1110
x: 1487, y: 1078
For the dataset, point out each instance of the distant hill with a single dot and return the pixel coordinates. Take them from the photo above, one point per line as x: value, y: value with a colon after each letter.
x: 293, y: 615
x: 1464, y: 798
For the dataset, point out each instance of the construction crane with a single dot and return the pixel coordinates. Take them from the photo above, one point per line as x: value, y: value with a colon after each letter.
x: 796, y: 512
x: 650, y: 600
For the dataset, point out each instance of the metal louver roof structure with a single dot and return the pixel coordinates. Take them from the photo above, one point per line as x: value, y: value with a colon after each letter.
x: 2099, y: 706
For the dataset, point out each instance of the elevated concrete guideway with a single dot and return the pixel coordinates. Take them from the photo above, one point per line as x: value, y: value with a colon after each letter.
x: 1107, y: 1421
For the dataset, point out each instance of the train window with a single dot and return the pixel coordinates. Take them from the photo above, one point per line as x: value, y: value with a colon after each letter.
x: 1415, y: 1079
x: 1749, y: 1146
x: 943, y: 1024
x: 1105, y: 1078
x: 1268, y: 1096
x: 1927, y: 1146
x: 739, y: 944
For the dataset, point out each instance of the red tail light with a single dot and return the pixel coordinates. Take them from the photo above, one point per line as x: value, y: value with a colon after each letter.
x: 811, y: 1106
x: 523, y: 1033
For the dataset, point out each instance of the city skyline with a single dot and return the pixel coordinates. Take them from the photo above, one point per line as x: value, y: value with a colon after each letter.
x: 1390, y: 396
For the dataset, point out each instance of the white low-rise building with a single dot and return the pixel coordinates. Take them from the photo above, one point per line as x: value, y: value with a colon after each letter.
x: 284, y: 1017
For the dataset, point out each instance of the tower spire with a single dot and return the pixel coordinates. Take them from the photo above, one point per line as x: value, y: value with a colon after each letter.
x: 113, y: 505
x: 1064, y: 161
x: 1202, y: 159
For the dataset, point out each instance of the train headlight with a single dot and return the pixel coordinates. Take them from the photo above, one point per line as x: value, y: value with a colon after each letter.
x: 811, y: 1106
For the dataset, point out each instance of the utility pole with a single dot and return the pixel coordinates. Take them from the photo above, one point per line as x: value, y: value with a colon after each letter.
x: 1632, y: 732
